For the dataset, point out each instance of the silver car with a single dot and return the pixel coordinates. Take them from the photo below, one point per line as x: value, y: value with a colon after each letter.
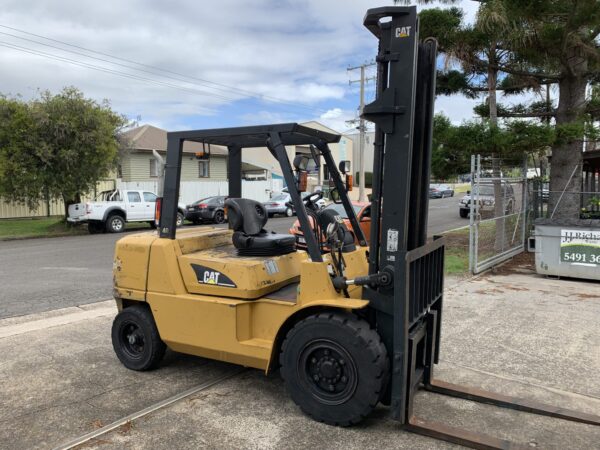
x: 279, y: 205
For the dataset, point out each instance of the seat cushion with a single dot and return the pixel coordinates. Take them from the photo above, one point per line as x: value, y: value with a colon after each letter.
x: 264, y: 244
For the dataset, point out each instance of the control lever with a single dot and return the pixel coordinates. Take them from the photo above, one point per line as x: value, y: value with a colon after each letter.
x: 383, y: 278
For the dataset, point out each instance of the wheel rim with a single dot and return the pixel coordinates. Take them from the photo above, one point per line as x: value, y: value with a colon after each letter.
x: 327, y: 371
x: 116, y: 224
x: 288, y: 212
x: 179, y: 220
x: 219, y: 217
x: 132, y: 340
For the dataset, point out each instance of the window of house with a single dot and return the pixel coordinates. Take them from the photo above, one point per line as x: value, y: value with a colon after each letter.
x: 203, y: 171
x: 134, y: 197
x: 153, y: 168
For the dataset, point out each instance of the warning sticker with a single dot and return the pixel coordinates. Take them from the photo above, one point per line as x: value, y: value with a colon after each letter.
x: 392, y: 240
x: 271, y: 266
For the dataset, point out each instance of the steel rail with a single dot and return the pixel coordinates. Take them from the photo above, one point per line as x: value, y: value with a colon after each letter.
x: 143, y: 412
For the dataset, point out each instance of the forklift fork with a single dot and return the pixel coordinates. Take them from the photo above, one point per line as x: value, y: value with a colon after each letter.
x: 422, y: 357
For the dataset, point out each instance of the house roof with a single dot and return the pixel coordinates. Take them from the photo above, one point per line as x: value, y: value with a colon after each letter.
x: 148, y: 138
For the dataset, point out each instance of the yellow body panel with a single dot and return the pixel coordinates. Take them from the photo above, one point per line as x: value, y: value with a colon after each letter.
x: 133, y: 253
x: 218, y: 322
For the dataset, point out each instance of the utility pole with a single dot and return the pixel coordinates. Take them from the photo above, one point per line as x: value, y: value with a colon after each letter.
x: 361, y: 128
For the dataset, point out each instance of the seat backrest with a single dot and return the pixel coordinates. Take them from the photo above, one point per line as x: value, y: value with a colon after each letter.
x: 248, y: 216
x: 327, y: 216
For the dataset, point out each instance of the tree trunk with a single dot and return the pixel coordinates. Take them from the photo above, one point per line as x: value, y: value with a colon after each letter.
x: 496, y: 169
x: 566, y: 161
x: 70, y: 201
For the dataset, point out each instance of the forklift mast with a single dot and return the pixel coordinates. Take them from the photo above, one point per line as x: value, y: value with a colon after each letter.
x: 403, y: 115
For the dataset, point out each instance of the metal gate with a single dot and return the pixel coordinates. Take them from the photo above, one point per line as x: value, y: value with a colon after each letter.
x: 497, y: 208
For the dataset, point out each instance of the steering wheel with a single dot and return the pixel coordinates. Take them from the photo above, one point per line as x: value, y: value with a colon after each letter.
x: 310, y: 200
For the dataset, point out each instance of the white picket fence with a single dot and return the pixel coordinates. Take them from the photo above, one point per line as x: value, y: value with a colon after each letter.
x: 190, y: 191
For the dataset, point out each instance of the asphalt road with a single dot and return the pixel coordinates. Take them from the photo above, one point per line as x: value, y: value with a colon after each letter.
x: 45, y: 274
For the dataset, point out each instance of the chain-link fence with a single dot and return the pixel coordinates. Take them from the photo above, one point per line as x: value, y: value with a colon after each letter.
x: 588, y: 202
x: 497, y: 209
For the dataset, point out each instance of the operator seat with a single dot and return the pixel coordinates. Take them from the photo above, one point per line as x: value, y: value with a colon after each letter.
x: 327, y: 216
x: 247, y: 219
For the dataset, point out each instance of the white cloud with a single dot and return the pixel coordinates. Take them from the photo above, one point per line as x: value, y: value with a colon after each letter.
x: 337, y: 119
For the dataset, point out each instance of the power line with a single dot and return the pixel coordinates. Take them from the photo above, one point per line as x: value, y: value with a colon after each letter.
x: 103, y: 69
x: 118, y: 73
x: 104, y: 60
x: 200, y: 81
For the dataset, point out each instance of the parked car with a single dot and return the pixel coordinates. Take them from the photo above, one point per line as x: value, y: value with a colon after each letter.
x: 440, y: 191
x: 279, y: 204
x: 486, y: 199
x: 208, y: 209
x: 112, y: 209
x: 363, y: 213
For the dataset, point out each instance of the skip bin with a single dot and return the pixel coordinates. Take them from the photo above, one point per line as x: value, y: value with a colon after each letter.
x: 568, y: 248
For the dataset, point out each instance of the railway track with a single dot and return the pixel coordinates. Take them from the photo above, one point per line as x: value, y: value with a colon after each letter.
x: 75, y: 442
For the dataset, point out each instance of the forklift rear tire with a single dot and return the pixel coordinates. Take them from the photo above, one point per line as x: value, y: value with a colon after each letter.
x: 335, y: 367
x: 136, y: 340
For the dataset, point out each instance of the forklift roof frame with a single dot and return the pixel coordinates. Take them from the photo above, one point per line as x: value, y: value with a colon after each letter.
x: 275, y: 137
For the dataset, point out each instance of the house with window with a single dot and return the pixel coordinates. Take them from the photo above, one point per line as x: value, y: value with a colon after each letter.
x: 203, y: 167
x: 138, y: 163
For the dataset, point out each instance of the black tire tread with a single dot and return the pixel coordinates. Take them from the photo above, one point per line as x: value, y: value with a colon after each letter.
x: 364, y: 336
x: 158, y: 347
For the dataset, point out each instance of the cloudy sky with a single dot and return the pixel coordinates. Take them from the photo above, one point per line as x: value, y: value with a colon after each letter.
x: 185, y: 64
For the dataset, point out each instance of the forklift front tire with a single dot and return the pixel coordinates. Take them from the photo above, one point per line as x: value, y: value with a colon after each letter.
x: 136, y: 340
x: 335, y: 367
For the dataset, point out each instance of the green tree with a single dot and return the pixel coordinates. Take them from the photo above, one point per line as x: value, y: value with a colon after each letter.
x: 541, y: 43
x: 56, y: 146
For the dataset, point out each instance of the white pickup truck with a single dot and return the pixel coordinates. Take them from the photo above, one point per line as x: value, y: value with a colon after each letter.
x: 112, y: 209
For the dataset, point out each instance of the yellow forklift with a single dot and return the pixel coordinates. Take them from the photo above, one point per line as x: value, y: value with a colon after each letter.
x: 348, y: 325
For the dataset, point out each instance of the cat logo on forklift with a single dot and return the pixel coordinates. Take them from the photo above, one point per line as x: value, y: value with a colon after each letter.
x: 206, y: 275
x: 403, y: 32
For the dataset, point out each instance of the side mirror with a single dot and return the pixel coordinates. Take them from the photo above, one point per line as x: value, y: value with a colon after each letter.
x: 344, y: 166
x: 335, y: 197
x: 301, y: 163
